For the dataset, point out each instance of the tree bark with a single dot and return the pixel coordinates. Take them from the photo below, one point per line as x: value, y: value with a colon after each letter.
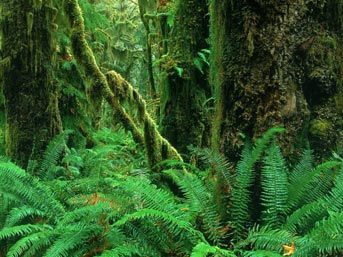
x: 31, y: 94
x: 185, y: 87
x: 277, y: 63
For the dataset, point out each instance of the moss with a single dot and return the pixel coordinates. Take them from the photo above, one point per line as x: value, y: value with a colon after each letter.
x: 275, y: 64
x: 320, y: 128
x: 30, y: 92
x: 185, y: 87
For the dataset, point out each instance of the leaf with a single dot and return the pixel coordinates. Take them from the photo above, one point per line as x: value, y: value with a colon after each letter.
x: 198, y: 64
x: 179, y: 71
x: 203, y: 58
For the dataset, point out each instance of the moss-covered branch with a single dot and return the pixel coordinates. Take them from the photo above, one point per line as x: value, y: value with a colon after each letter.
x: 116, y: 91
x: 157, y: 147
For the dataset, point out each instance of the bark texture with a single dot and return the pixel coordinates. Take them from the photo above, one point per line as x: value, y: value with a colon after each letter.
x: 277, y: 63
x: 31, y: 94
x: 185, y: 87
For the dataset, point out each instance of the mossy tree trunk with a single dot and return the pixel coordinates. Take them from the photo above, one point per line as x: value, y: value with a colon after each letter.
x: 31, y: 96
x: 277, y: 63
x: 147, y: 9
x: 185, y: 87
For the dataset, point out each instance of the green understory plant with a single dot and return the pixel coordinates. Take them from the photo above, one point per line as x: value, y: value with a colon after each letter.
x: 93, y: 204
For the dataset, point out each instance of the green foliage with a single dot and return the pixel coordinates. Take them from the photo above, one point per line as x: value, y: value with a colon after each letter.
x: 244, y: 179
x: 274, y: 187
x: 203, y: 249
x: 201, y: 59
x: 105, y: 203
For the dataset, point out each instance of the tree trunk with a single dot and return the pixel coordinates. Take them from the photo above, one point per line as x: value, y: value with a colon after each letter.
x: 277, y: 63
x: 31, y: 97
x: 185, y: 88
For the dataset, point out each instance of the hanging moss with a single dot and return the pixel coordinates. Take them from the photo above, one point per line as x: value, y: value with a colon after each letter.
x: 116, y: 91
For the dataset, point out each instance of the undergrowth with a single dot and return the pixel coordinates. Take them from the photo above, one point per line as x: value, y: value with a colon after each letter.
x: 104, y: 201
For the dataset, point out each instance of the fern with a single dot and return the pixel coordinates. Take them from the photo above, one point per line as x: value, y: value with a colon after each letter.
x: 21, y: 230
x: 199, y: 203
x: 325, y: 239
x: 274, y: 187
x: 124, y: 250
x: 261, y: 253
x: 175, y: 225
x: 303, y: 187
x: 303, y: 218
x: 16, y: 215
x: 31, y: 245
x: 71, y: 237
x: 203, y: 250
x: 149, y: 196
x: 28, y: 188
x: 334, y: 200
x: 51, y: 155
x: 269, y: 239
x: 244, y: 180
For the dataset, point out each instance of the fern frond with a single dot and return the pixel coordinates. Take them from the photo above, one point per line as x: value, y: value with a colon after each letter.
x: 202, y: 250
x: 303, y: 165
x: 325, y: 238
x: 245, y: 178
x: 54, y: 150
x: 18, y: 214
x: 302, y: 190
x: 149, y: 196
x: 334, y: 200
x: 217, y: 162
x: 123, y: 250
x: 28, y: 188
x: 21, y: 230
x: 71, y: 237
x: 303, y: 219
x: 196, y: 194
x: 175, y: 225
x: 274, y: 187
x: 199, y: 203
x: 240, y: 192
x: 30, y: 245
x: 261, y: 253
x: 266, y: 238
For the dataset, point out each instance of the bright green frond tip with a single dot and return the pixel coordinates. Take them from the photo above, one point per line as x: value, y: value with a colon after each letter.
x: 261, y: 253
x: 203, y: 249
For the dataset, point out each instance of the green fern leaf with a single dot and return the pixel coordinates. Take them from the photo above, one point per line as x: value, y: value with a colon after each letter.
x: 198, y: 202
x: 21, y: 230
x: 266, y: 238
x: 203, y: 250
x: 302, y: 191
x: 18, y: 214
x: 303, y: 219
x: 325, y: 238
x: 244, y: 179
x: 261, y: 253
x: 123, y: 250
x: 71, y: 237
x: 177, y: 226
x: 30, y: 245
x: 29, y: 189
x: 51, y: 155
x: 274, y: 187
